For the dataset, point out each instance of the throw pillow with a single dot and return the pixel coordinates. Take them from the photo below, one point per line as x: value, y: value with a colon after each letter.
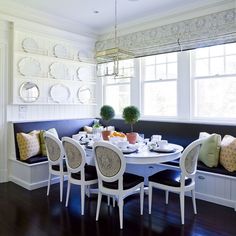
x: 228, y: 153
x: 28, y: 144
x: 210, y: 149
x: 42, y: 143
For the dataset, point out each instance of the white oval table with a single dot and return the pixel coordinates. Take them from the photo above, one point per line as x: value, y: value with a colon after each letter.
x: 146, y: 156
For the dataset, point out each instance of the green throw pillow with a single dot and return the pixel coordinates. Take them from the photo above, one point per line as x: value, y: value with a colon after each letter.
x: 210, y: 150
x: 42, y: 143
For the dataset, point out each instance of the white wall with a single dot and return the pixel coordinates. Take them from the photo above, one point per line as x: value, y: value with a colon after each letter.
x: 11, y: 112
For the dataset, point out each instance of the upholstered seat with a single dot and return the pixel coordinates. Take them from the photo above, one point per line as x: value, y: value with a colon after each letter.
x: 169, y: 177
x: 129, y: 181
x: 89, y: 171
x: 57, y: 167
x: 79, y: 172
x: 178, y: 181
x: 112, y: 179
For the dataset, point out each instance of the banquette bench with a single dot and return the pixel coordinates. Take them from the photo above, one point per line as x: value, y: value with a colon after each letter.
x: 33, y: 173
x: 214, y: 184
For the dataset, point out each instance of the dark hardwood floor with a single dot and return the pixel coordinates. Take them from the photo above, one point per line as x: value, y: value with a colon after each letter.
x: 32, y: 213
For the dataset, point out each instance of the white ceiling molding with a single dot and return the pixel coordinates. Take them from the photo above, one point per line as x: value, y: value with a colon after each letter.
x: 16, y: 10
x: 202, y: 31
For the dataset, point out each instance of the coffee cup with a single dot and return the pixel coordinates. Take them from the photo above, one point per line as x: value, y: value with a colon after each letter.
x: 162, y: 143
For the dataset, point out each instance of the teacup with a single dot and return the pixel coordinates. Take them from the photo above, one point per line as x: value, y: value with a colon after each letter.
x: 162, y: 143
x: 156, y: 138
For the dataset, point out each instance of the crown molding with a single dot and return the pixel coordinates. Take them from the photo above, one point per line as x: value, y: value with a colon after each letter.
x: 172, y: 16
x: 14, y: 12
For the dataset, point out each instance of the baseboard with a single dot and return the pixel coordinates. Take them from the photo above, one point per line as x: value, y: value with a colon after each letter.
x: 3, y: 176
x: 216, y: 200
x: 32, y: 186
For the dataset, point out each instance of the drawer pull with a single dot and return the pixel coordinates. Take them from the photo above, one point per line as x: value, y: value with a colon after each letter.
x: 201, y: 177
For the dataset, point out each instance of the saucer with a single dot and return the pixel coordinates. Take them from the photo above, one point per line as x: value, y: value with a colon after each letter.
x: 166, y: 149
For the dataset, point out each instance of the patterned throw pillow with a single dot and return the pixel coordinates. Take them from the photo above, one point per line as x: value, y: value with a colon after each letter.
x: 28, y: 144
x: 210, y: 149
x: 42, y: 143
x: 228, y: 153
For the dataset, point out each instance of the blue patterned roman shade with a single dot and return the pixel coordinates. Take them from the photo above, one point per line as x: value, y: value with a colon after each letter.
x: 209, y: 30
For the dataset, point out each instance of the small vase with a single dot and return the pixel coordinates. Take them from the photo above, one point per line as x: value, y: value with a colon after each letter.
x: 105, y: 134
x: 132, y: 137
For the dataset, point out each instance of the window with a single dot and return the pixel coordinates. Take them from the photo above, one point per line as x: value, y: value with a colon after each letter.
x: 159, y: 76
x: 117, y: 91
x: 214, y: 82
x: 197, y: 84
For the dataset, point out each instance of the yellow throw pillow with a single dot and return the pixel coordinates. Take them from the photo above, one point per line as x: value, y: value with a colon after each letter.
x: 28, y: 144
x: 228, y: 153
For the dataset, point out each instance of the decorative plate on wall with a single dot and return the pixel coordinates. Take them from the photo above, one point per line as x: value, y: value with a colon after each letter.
x: 29, y: 92
x: 85, y: 55
x: 30, y: 45
x: 58, y: 71
x: 60, y: 93
x: 29, y: 67
x: 83, y: 73
x: 60, y: 51
x: 84, y: 94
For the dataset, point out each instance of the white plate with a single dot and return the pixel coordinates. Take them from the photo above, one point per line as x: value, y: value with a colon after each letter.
x: 83, y: 73
x: 129, y: 150
x: 85, y: 55
x: 29, y: 45
x: 84, y: 94
x: 167, y: 149
x: 29, y: 67
x: 58, y: 71
x: 60, y: 51
x: 60, y: 93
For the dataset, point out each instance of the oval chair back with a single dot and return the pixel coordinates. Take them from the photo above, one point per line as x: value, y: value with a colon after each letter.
x: 110, y: 163
x: 75, y: 155
x: 54, y: 148
x: 55, y: 154
x: 188, y: 160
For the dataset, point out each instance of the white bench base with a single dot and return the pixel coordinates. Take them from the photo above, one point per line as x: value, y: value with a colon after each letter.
x: 211, y: 187
x: 29, y: 176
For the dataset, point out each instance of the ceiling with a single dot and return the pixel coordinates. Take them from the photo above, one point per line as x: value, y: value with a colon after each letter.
x: 81, y: 12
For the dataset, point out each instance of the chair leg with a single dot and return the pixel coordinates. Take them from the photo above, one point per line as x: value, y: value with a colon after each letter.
x: 68, y: 193
x: 108, y: 200
x: 49, y: 183
x: 61, y: 187
x: 182, y: 207
x: 167, y: 197
x: 88, y: 191
x: 98, y: 205
x: 194, y: 201
x: 141, y: 198
x: 82, y: 199
x: 121, y: 205
x: 114, y: 201
x: 149, y: 198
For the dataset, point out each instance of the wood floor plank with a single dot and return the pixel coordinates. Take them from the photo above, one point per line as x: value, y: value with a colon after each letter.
x: 32, y: 213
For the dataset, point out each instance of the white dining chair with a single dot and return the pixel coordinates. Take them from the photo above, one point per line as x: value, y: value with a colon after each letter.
x: 112, y: 179
x: 79, y: 172
x: 179, y: 181
x: 55, y: 154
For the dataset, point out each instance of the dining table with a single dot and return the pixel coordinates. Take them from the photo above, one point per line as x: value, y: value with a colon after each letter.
x: 144, y: 155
